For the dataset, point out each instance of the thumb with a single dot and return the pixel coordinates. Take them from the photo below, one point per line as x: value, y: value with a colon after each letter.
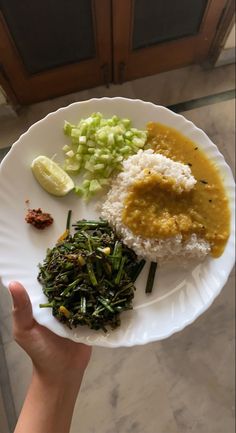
x: 22, y: 308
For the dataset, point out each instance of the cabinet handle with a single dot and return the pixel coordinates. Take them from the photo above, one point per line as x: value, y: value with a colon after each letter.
x: 105, y: 71
x: 122, y: 67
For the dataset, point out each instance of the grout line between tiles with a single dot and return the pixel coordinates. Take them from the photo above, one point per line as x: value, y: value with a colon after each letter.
x: 201, y: 102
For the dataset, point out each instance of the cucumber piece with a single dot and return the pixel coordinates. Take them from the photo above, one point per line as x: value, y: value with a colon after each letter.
x: 98, y: 147
x: 94, y: 186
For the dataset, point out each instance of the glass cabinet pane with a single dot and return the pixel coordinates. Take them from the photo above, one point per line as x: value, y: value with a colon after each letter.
x: 50, y: 33
x: 157, y: 21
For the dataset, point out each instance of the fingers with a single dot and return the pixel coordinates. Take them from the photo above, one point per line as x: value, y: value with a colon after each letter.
x: 22, y: 311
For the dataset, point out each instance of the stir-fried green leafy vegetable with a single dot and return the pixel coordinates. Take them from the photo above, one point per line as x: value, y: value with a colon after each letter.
x: 98, y: 147
x: 89, y: 277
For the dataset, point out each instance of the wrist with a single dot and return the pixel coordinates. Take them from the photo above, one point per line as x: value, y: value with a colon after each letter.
x: 54, y: 400
x: 66, y: 383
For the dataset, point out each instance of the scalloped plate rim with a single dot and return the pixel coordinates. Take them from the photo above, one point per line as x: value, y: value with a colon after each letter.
x: 227, y: 169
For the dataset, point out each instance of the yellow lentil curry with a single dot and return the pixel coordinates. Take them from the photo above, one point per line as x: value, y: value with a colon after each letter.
x: 154, y: 209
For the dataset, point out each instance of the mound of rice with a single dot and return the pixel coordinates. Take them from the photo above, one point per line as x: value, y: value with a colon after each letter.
x: 135, y: 168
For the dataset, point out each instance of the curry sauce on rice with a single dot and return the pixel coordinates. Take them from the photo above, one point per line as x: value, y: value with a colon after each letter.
x: 163, y: 208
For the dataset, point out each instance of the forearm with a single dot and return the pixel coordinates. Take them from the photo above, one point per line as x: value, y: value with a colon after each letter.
x: 49, y: 405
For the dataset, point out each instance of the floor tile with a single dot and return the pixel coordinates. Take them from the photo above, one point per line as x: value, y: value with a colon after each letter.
x: 184, y: 84
x: 19, y: 366
x: 5, y: 315
x: 165, y: 89
x: 218, y: 121
x: 124, y: 391
x: 198, y: 366
x: 3, y: 419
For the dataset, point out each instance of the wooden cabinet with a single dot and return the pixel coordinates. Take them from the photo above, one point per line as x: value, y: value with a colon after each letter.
x: 54, y: 47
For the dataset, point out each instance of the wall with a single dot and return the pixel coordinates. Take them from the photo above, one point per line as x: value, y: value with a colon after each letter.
x: 227, y: 55
x: 230, y: 41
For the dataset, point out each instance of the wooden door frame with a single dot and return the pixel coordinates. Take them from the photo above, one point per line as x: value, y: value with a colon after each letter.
x: 134, y: 64
x: 78, y: 76
x: 224, y: 26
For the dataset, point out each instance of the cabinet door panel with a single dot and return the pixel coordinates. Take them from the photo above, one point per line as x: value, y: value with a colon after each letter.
x: 53, y: 47
x: 155, y: 23
x: 152, y: 36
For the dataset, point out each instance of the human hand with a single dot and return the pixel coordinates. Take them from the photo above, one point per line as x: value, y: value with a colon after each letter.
x: 54, y: 358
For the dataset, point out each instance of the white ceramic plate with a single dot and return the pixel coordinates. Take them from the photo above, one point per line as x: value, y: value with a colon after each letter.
x: 179, y: 296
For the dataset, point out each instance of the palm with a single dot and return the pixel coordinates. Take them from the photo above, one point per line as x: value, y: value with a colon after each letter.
x: 60, y: 353
x: 51, y: 354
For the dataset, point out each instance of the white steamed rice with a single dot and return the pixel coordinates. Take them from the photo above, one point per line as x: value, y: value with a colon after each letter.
x: 134, y: 168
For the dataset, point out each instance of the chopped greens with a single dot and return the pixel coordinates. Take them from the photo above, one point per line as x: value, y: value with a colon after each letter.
x: 98, y: 147
x: 89, y: 277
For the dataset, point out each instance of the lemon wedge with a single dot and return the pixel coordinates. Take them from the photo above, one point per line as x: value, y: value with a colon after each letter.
x: 51, y: 177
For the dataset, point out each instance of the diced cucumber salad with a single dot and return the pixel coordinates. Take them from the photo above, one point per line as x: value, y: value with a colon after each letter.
x: 97, y: 148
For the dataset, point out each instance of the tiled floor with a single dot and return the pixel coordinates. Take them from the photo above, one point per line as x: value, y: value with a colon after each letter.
x: 218, y: 121
x: 185, y: 383
x: 165, y: 89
